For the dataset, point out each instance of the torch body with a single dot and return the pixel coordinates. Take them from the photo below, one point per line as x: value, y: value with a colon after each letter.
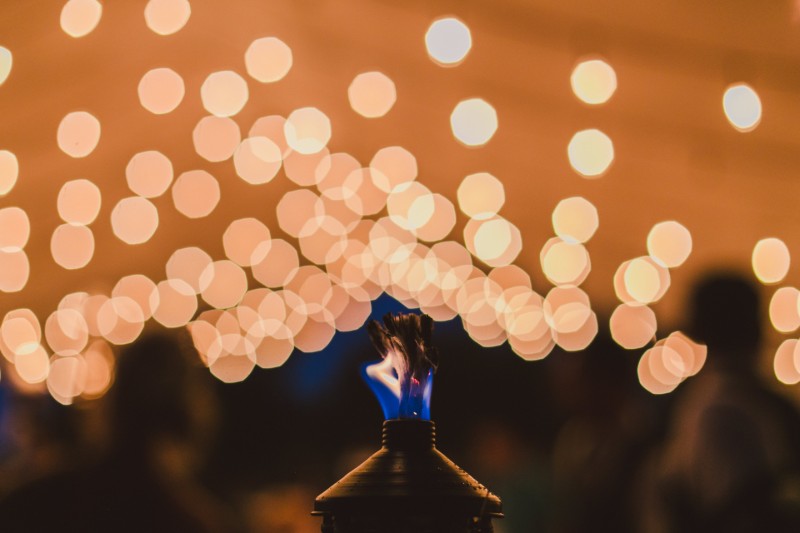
x: 408, y: 486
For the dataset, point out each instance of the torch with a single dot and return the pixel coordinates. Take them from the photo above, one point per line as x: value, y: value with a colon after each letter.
x: 408, y: 486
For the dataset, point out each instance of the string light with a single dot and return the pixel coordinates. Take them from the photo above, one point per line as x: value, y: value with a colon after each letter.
x: 594, y: 81
x: 166, y: 17
x: 268, y: 59
x: 161, y: 90
x: 372, y: 94
x: 448, y: 41
x: 473, y: 121
x: 590, y: 153
x: 80, y: 17
x: 742, y: 107
x: 6, y: 61
x: 9, y: 171
x: 78, y: 134
x: 224, y: 93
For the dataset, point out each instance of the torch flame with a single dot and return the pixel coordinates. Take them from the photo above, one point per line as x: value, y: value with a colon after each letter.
x: 403, y: 379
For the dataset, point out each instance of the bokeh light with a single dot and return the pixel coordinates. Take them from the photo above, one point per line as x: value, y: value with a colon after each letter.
x: 15, y: 269
x: 313, y: 286
x: 361, y: 193
x: 593, y: 81
x: 566, y: 309
x: 332, y: 176
x: 6, y: 61
x: 296, y: 311
x: 272, y: 127
x: 523, y: 317
x: 66, y: 332
x: 134, y: 220
x: 15, y: 229
x: 641, y: 280
x: 67, y: 378
x: 314, y: 336
x: 645, y: 280
x: 90, y: 306
x: 188, y: 265
x: 495, y: 241
x: 354, y: 315
x: 72, y: 246
x: 784, y: 309
x: 580, y: 339
x: 300, y: 212
x: 138, y: 288
x: 441, y: 223
x: 99, y: 369
x: 224, y: 93
x: 564, y: 263
x: 230, y: 368
x: 274, y: 348
x: 268, y: 59
x: 257, y: 160
x: 20, y: 333
x: 307, y: 130
x: 224, y: 284
x: 9, y: 171
x: 80, y: 17
x: 372, y: 94
x: 652, y: 381
x: 166, y: 17
x: 392, y: 166
x: 174, y: 303
x: 278, y: 266
x: 195, y: 193
x: 340, y: 213
x: 33, y: 367
x: 410, y: 205
x: 120, y: 320
x: 481, y: 195
x: 692, y: 354
x: 79, y: 202
x: 742, y: 107
x: 149, y: 174
x: 770, y: 260
x: 448, y: 41
x: 216, y: 138
x: 473, y: 122
x: 326, y: 243
x: 575, y: 219
x: 633, y: 326
x: 785, y: 362
x: 302, y: 168
x: 74, y: 300
x: 161, y: 90
x: 510, y: 278
x: 246, y: 241
x: 568, y: 312
x: 78, y: 134
x: 669, y: 243
x: 590, y: 153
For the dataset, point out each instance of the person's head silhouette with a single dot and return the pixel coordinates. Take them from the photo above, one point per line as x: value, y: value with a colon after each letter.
x: 725, y: 314
x: 160, y: 394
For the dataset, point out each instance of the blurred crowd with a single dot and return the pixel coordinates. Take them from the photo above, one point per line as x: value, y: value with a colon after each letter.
x: 572, y: 443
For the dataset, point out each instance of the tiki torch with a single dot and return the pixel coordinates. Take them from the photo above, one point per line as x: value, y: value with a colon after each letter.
x: 408, y: 486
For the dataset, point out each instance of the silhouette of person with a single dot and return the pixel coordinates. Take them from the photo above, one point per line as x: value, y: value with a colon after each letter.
x: 160, y: 412
x: 732, y: 458
x: 608, y: 429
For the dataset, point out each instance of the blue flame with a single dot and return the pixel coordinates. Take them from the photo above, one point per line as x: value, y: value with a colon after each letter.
x: 409, y: 397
